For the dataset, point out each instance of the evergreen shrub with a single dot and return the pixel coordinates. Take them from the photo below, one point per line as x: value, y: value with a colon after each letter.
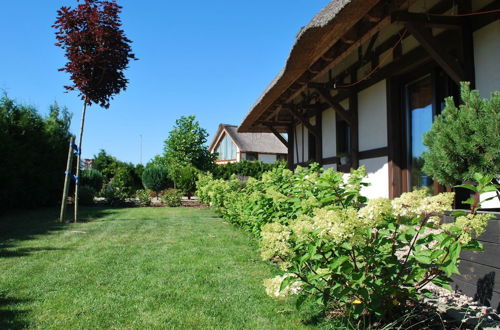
x: 155, y: 178
x: 92, y: 178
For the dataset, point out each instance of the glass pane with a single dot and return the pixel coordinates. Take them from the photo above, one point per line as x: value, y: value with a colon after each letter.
x: 419, y: 98
x: 233, y: 150
x: 225, y: 148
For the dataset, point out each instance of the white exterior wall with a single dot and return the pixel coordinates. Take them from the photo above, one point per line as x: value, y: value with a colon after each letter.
x: 487, y: 67
x: 487, y: 58
x: 238, y: 154
x: 328, y: 126
x: 378, y: 177
x: 301, y: 144
x: 267, y: 158
x: 372, y: 117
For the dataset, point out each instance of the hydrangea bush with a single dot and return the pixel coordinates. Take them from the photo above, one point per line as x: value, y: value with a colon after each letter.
x: 280, y: 196
x: 339, y: 251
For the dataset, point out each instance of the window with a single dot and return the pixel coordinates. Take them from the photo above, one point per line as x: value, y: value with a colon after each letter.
x: 418, y: 98
x: 312, y: 146
x: 251, y: 156
x: 226, y: 149
x: 280, y: 157
x: 343, y: 137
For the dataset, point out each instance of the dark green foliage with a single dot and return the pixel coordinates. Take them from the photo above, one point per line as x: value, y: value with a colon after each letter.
x: 186, y: 146
x: 124, y: 180
x: 92, y: 178
x: 86, y: 195
x: 106, y: 164
x: 243, y: 168
x: 464, y: 140
x: 155, y: 178
x: 172, y: 197
x: 129, y: 175
x: 33, y: 152
x: 186, y: 180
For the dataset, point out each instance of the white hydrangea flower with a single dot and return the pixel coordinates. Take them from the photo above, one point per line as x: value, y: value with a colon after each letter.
x: 273, y: 285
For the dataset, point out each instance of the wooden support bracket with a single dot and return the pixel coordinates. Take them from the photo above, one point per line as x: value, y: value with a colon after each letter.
x: 339, y: 109
x: 448, y: 63
x: 293, y: 111
x: 449, y: 22
x: 277, y: 134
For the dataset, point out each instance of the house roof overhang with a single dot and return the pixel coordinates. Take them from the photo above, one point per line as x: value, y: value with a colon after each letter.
x: 326, y: 40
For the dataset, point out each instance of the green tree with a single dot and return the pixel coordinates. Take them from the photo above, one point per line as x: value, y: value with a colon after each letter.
x: 186, y: 146
x: 33, y: 153
x: 92, y: 178
x: 186, y: 180
x: 464, y: 140
x: 106, y: 164
x: 110, y: 167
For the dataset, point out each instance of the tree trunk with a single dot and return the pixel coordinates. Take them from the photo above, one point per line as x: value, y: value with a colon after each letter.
x: 78, y: 156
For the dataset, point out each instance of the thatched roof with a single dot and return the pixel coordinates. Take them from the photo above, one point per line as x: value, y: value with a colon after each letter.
x: 313, y: 40
x: 250, y: 142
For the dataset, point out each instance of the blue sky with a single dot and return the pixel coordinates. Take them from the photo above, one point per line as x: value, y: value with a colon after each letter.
x: 208, y: 58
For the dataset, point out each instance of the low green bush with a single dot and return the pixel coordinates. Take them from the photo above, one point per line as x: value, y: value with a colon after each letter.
x: 172, y: 197
x: 86, y: 195
x: 115, y: 194
x: 254, y: 169
x: 338, y: 251
x: 143, y: 197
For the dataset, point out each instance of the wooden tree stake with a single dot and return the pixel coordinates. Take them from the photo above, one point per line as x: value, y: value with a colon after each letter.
x: 66, y: 179
x: 78, y: 156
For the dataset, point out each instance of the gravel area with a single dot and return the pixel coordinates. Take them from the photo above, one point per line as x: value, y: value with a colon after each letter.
x: 463, y: 308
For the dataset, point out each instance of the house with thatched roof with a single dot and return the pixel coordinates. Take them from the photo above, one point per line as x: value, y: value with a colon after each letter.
x: 364, y: 81
x: 232, y: 146
x: 365, y: 78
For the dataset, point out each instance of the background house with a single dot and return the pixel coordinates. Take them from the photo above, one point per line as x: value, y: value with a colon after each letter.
x: 233, y: 146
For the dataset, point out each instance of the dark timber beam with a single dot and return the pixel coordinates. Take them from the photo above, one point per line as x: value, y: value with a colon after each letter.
x: 452, y: 22
x: 467, y: 43
x: 353, y: 109
x: 274, y: 123
x: 278, y: 135
x: 319, y: 139
x: 297, y: 115
x: 327, y: 85
x: 447, y: 62
x: 339, y: 109
x: 291, y: 138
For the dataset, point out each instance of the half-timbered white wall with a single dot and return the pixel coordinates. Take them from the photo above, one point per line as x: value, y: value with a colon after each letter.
x: 372, y: 111
x: 487, y: 58
x: 329, y: 136
x: 378, y: 177
x: 301, y: 148
x: 372, y: 117
x: 487, y: 67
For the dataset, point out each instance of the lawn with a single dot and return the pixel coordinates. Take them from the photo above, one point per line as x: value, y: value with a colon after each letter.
x: 137, y: 268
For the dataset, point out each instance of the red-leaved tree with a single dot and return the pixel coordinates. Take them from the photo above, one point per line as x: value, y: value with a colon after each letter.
x: 98, y: 53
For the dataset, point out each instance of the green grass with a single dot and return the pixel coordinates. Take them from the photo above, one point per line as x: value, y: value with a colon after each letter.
x: 142, y: 268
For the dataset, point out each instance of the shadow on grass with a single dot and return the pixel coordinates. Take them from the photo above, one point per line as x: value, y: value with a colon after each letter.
x: 24, y: 225
x: 11, y: 317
